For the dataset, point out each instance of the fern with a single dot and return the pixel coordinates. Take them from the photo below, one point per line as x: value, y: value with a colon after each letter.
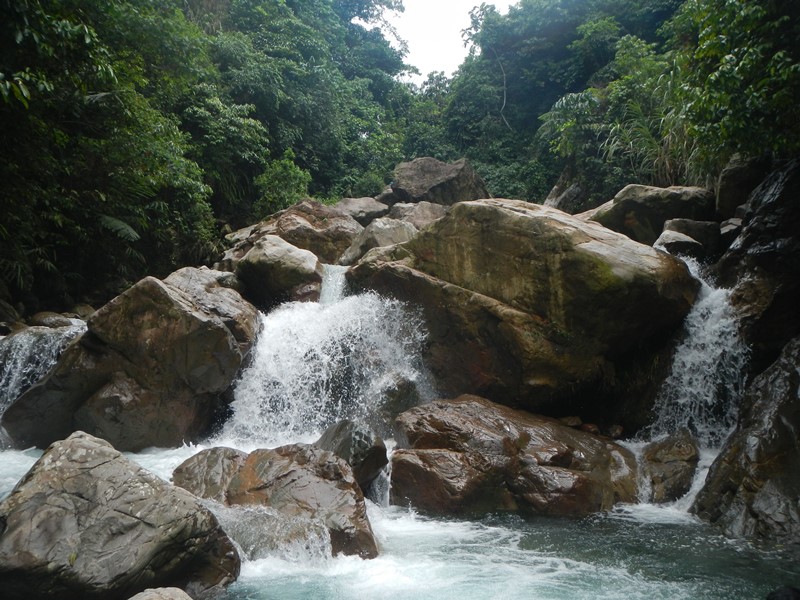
x: 119, y: 228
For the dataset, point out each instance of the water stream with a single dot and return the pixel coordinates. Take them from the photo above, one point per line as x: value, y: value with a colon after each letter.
x: 317, y: 363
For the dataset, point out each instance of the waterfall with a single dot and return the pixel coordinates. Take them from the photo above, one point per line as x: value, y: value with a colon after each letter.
x: 706, y: 381
x: 314, y: 364
x: 26, y: 356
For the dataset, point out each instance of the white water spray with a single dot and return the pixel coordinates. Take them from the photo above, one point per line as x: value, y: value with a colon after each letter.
x: 319, y: 363
x: 26, y: 356
x: 706, y: 381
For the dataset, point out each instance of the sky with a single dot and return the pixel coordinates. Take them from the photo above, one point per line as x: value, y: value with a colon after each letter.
x: 433, y: 29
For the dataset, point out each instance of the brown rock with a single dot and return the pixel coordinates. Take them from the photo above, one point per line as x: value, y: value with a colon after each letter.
x: 640, y: 211
x: 419, y: 214
x: 736, y: 181
x: 470, y: 455
x: 431, y: 180
x: 527, y: 302
x: 358, y: 446
x: 671, y: 464
x: 86, y: 523
x: 363, y: 210
x: 381, y: 232
x: 207, y: 474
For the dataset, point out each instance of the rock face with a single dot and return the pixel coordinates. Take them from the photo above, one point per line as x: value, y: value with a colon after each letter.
x: 527, y: 303
x: 431, y: 180
x: 87, y: 523
x: 739, y: 177
x: 363, y: 210
x: 639, y: 211
x: 150, y: 371
x: 763, y: 266
x: 419, y: 214
x: 753, y: 487
x: 358, y: 446
x: 381, y: 232
x: 670, y: 465
x: 470, y: 455
x: 298, y: 481
x: 309, y: 225
x: 274, y: 271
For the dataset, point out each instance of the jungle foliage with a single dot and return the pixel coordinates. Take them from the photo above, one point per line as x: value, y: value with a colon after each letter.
x: 136, y: 132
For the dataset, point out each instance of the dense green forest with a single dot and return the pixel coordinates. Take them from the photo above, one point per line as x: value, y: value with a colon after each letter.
x: 137, y: 132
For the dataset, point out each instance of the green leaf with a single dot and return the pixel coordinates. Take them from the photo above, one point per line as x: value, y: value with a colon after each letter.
x: 120, y: 228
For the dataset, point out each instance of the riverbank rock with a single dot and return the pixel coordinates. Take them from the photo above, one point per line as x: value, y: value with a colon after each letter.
x: 274, y: 271
x: 152, y: 369
x: 670, y: 465
x: 363, y: 210
x: 419, y: 214
x: 298, y: 481
x: 431, y: 180
x: 162, y: 594
x: 308, y: 225
x: 358, y: 446
x: 640, y: 211
x: 470, y: 455
x: 381, y: 232
x: 763, y: 267
x: 528, y: 305
x: 680, y: 244
x: 736, y: 181
x: 753, y: 487
x: 87, y: 523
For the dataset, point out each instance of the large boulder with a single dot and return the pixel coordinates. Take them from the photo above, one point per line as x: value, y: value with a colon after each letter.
x: 363, y: 210
x: 431, y: 180
x: 736, y: 181
x: 640, y: 211
x: 753, y: 487
x: 470, y: 455
x: 299, y: 480
x: 274, y: 271
x: 763, y: 266
x: 381, y: 232
x: 324, y: 230
x: 358, y: 446
x: 87, y: 523
x: 529, y: 305
x: 419, y: 214
x: 152, y: 370
x: 670, y: 465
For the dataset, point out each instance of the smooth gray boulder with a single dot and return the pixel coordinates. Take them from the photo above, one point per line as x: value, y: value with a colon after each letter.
x: 85, y: 522
x: 381, y: 232
x: 363, y: 210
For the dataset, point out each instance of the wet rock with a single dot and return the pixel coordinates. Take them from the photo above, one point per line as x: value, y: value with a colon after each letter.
x: 297, y: 481
x: 152, y: 370
x: 207, y: 474
x: 358, y: 446
x: 381, y: 232
x: 640, y: 211
x: 752, y: 489
x: 763, y: 267
x: 671, y: 464
x: 49, y: 319
x: 87, y: 523
x: 736, y: 181
x: 363, y: 210
x: 162, y: 594
x: 679, y: 244
x: 275, y: 271
x: 729, y: 230
x: 469, y: 455
x: 324, y: 230
x: 528, y: 303
x: 431, y: 180
x: 706, y: 233
x: 419, y: 214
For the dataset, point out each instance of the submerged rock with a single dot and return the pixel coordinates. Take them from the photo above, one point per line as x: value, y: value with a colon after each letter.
x: 469, y: 455
x: 753, y: 487
x: 297, y: 481
x: 529, y: 305
x: 670, y: 464
x: 87, y: 523
x: 150, y: 371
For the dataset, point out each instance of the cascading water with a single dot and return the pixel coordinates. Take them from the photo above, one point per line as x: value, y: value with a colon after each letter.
x: 706, y: 381
x: 27, y: 355
x: 319, y: 363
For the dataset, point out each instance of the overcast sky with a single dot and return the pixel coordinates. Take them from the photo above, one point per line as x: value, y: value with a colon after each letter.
x: 433, y: 29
